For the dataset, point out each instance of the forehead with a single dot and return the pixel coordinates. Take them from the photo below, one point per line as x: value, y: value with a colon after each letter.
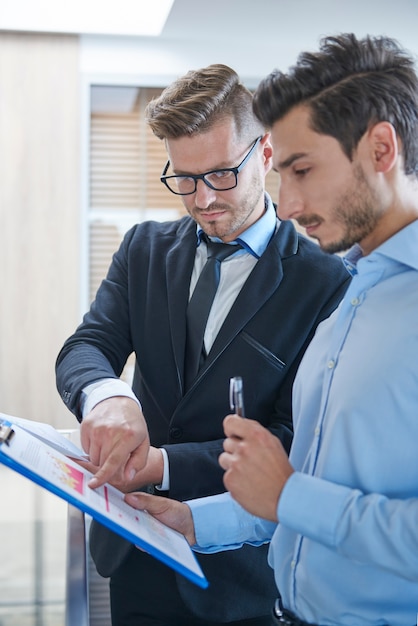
x: 291, y: 134
x: 201, y: 152
x: 293, y: 138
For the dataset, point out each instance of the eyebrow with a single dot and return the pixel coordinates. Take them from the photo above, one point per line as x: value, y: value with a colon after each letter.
x: 221, y: 167
x: 214, y: 169
x: 290, y: 160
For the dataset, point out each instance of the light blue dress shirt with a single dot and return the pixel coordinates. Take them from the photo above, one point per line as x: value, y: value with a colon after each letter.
x: 235, y: 269
x: 346, y: 550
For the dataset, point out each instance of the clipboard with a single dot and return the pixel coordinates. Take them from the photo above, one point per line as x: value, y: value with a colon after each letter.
x: 46, y: 466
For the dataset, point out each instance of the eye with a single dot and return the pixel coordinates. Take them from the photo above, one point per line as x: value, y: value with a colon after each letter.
x: 302, y: 171
x: 221, y: 174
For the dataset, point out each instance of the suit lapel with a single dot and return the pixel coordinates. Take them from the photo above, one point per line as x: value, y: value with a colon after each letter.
x: 179, y: 267
x: 263, y: 281
x: 261, y: 284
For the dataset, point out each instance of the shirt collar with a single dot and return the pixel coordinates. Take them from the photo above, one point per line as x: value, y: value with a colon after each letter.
x: 402, y: 247
x: 350, y: 260
x: 257, y: 237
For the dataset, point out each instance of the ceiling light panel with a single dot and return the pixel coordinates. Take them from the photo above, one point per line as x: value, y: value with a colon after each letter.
x: 101, y: 17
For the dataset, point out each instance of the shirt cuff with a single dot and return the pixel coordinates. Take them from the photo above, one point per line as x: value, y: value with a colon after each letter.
x: 102, y: 390
x: 165, y: 484
x: 222, y: 524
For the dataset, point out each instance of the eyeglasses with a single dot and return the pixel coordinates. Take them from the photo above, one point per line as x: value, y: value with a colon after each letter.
x: 219, y: 180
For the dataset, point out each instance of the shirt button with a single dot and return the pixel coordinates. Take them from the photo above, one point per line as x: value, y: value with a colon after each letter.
x: 355, y: 301
x: 317, y: 431
x: 331, y: 364
x: 293, y: 564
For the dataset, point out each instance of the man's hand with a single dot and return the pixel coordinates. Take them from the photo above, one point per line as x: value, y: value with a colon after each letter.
x: 151, y: 474
x: 256, y: 464
x: 115, y: 436
x: 172, y: 513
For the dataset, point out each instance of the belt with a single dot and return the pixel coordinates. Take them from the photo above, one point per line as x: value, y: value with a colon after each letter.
x: 286, y: 618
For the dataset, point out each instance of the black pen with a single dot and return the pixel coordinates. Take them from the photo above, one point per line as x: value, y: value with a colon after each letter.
x: 236, y: 395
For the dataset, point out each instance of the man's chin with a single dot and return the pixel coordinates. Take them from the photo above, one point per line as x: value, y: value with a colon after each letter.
x: 214, y: 228
x: 334, y: 247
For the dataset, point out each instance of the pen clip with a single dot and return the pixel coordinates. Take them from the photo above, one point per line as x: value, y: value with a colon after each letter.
x: 236, y: 395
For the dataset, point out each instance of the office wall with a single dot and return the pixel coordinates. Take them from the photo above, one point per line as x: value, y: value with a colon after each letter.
x: 39, y: 218
x: 159, y: 60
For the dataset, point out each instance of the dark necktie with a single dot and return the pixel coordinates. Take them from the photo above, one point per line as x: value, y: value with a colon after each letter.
x: 200, y: 305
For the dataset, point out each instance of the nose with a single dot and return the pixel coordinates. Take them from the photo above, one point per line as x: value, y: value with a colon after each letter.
x: 290, y: 204
x: 204, y: 195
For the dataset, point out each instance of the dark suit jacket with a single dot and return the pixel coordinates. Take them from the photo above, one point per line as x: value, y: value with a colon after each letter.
x: 141, y: 307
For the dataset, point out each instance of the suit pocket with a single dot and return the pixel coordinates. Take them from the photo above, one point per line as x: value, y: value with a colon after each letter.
x: 256, y: 345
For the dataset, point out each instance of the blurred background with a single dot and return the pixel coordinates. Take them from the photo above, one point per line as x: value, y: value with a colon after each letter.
x: 78, y: 164
x: 78, y: 167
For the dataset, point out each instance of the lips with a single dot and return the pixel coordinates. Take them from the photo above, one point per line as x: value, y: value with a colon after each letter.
x: 310, y: 228
x: 212, y: 215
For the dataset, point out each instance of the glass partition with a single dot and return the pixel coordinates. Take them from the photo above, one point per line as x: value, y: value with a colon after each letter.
x: 33, y: 528
x: 47, y: 577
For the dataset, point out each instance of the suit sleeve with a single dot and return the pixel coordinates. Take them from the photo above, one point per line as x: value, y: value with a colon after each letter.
x: 101, y: 344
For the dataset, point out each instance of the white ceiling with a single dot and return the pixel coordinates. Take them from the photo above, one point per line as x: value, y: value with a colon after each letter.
x: 289, y: 25
x: 249, y: 27
x: 253, y: 36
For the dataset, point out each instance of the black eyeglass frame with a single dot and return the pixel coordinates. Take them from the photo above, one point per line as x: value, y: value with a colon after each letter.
x: 195, y: 177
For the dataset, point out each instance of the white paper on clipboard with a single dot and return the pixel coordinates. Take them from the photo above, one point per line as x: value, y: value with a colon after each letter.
x: 32, y: 457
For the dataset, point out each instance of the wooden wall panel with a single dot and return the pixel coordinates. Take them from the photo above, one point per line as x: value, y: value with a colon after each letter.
x: 39, y: 218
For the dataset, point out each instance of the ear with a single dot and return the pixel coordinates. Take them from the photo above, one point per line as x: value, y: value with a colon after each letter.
x: 267, y: 152
x: 383, y: 143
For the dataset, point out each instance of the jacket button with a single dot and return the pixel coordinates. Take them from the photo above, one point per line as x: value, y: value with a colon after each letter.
x: 176, y: 433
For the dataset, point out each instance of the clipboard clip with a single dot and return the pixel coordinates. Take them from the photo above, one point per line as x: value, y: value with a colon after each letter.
x: 6, y: 433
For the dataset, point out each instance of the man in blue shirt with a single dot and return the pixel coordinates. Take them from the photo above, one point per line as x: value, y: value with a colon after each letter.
x: 344, y: 128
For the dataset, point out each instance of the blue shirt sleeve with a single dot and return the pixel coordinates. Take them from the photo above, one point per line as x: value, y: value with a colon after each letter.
x: 367, y: 528
x: 222, y: 524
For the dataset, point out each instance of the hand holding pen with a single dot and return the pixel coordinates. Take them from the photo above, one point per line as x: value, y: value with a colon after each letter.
x: 256, y: 464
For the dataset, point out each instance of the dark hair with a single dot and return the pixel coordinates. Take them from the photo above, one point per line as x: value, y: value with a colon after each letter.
x: 198, y: 100
x: 349, y: 85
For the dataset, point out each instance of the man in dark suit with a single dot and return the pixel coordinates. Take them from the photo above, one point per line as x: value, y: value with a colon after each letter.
x: 274, y: 289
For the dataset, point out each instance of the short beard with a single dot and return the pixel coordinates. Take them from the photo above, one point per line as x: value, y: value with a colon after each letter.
x: 239, y: 217
x: 358, y: 210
